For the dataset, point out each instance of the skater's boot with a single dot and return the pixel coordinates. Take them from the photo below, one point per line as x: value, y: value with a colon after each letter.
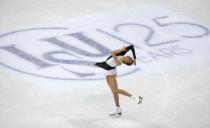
x: 138, y: 99
x: 117, y: 112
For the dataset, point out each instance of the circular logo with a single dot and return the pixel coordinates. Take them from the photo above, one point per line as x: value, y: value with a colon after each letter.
x: 54, y: 53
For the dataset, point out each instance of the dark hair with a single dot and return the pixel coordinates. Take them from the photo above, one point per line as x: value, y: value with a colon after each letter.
x: 131, y: 61
x: 128, y: 64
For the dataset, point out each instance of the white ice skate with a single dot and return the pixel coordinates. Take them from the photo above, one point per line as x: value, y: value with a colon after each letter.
x: 138, y: 99
x: 116, y: 113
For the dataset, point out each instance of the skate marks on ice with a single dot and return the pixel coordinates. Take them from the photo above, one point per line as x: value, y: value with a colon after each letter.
x: 184, y: 99
x: 167, y: 42
x: 112, y: 122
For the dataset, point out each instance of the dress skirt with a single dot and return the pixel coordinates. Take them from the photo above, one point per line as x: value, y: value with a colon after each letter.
x: 104, y: 72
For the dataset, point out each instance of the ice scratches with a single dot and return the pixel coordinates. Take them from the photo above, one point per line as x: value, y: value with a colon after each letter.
x: 111, y: 122
x: 167, y: 111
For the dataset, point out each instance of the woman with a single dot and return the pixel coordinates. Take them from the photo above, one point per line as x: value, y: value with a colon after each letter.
x: 117, y: 58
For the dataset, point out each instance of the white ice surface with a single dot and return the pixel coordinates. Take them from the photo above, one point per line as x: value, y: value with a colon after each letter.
x: 177, y: 98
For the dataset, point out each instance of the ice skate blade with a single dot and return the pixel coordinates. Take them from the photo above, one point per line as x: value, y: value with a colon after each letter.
x: 140, y: 100
x: 115, y: 115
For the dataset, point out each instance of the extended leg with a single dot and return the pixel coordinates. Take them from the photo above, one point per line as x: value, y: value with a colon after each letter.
x: 123, y: 92
x: 138, y: 99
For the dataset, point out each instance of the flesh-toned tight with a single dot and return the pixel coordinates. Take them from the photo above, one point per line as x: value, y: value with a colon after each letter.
x: 112, y: 82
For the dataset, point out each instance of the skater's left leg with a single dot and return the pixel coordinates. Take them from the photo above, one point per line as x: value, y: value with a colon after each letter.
x: 123, y: 92
x: 113, y: 80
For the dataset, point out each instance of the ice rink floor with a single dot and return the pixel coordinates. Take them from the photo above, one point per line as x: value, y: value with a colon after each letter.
x: 175, y: 88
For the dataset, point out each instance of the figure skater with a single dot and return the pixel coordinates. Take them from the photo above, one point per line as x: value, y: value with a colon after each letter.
x: 117, y: 58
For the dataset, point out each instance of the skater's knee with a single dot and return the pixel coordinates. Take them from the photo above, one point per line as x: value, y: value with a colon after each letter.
x: 115, y: 91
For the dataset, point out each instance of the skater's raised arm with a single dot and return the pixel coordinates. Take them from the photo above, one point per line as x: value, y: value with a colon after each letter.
x: 123, y: 51
x: 131, y: 47
x: 117, y: 51
x: 114, y: 55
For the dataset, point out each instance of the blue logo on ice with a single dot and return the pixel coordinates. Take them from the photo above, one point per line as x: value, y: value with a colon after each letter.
x: 37, y: 54
x: 66, y: 53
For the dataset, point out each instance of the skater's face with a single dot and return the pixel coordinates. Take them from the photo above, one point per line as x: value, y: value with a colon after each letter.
x: 128, y: 60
